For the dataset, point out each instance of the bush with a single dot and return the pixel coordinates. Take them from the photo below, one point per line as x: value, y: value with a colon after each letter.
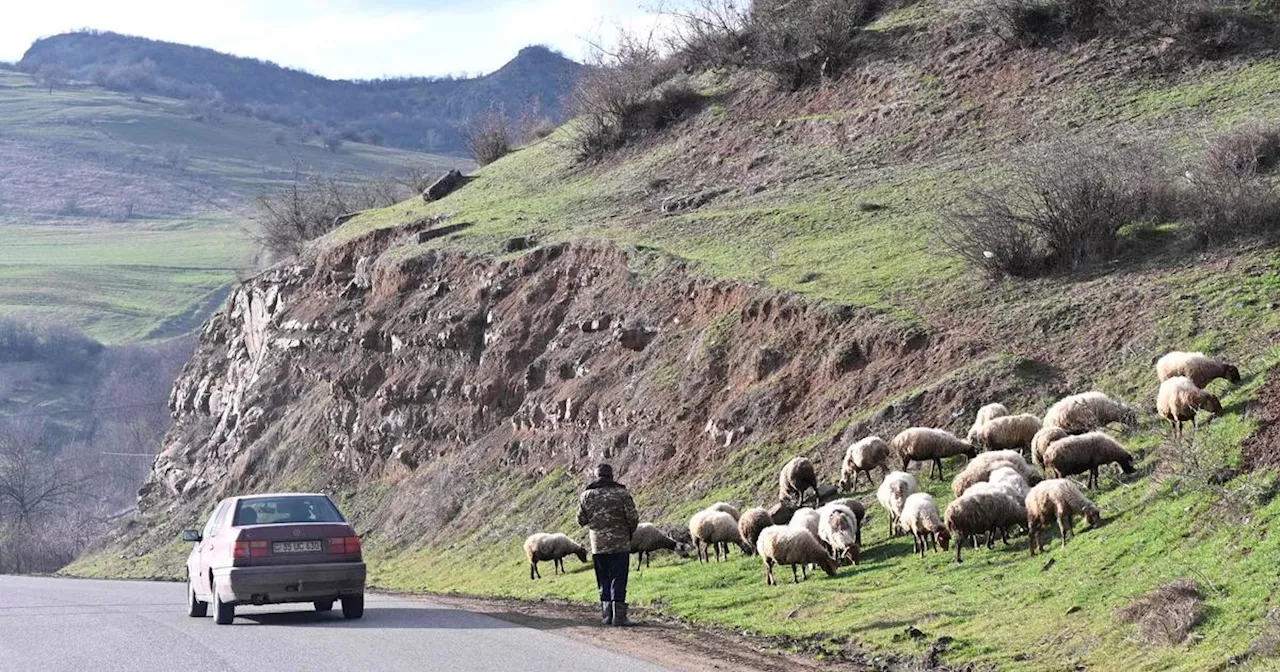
x: 1167, y: 614
x: 798, y: 42
x: 309, y: 206
x: 710, y: 34
x: 487, y: 137
x: 1059, y: 210
x: 1233, y: 194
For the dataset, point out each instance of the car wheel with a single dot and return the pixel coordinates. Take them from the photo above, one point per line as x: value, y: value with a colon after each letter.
x: 195, y: 608
x: 324, y: 605
x: 353, y: 607
x: 223, y: 613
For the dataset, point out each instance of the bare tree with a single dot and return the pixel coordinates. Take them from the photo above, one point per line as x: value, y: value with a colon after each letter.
x: 52, y: 76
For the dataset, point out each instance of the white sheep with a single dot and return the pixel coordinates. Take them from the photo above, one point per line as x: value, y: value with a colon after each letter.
x: 785, y: 545
x: 925, y: 444
x: 1057, y: 499
x: 985, y: 415
x: 1180, y: 399
x: 979, y: 469
x: 838, y: 529
x: 1009, y: 478
x: 1200, y: 368
x: 922, y: 519
x: 806, y: 518
x: 859, y: 512
x: 648, y: 538
x: 726, y: 508
x: 541, y: 547
x: 1088, y: 411
x: 1086, y: 452
x: 893, y: 493
x: 710, y: 529
x: 1007, y: 432
x: 865, y: 455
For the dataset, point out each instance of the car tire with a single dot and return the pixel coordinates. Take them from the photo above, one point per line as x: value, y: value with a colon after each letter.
x: 223, y: 613
x: 353, y: 607
x: 324, y: 605
x: 195, y: 607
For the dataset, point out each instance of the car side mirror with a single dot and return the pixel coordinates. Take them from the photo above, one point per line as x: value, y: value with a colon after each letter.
x: 191, y: 535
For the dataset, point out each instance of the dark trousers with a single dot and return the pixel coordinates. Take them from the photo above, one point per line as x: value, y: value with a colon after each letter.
x: 611, y: 575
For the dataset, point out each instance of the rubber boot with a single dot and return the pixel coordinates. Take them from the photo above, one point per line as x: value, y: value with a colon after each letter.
x: 606, y: 613
x: 620, y: 615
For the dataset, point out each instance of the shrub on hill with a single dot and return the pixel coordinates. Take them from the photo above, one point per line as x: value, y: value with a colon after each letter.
x: 1233, y: 192
x: 487, y: 137
x: 310, y: 206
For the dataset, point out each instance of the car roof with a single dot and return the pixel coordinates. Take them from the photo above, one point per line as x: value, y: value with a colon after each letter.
x: 263, y: 495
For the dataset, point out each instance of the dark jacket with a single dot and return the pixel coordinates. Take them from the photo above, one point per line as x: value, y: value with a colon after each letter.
x: 608, y: 510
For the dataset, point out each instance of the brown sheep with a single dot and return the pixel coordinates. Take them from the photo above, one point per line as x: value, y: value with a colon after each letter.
x: 925, y: 444
x: 1179, y: 400
x: 1059, y: 500
x: 752, y: 522
x: 1086, y: 452
x: 1201, y: 369
x: 796, y: 478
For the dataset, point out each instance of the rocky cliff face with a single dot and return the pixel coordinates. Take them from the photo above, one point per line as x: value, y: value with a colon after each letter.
x: 443, y: 373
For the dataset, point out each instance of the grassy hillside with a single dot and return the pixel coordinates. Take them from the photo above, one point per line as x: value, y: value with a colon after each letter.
x: 832, y: 193
x: 127, y: 217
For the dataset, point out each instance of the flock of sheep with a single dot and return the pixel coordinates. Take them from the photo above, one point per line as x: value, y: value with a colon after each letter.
x: 996, y: 490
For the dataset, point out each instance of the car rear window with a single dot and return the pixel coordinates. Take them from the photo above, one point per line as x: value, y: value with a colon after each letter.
x: 286, y: 509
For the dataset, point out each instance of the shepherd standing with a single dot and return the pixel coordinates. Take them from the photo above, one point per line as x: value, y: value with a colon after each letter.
x: 606, y: 508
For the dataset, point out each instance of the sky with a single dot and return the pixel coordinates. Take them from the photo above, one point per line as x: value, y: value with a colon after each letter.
x: 346, y: 39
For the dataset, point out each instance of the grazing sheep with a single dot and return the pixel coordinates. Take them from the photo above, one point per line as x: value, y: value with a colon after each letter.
x: 714, y: 529
x: 982, y: 513
x: 893, y: 493
x: 796, y: 478
x: 1041, y: 442
x: 648, y: 538
x: 979, y: 469
x: 806, y: 519
x: 542, y: 546
x: 859, y: 512
x: 924, y: 444
x: 838, y: 529
x: 1007, y: 432
x: 1057, y: 499
x: 921, y: 518
x: 781, y: 513
x: 1009, y: 477
x: 1086, y: 452
x: 750, y: 525
x: 1195, y: 365
x: 863, y: 456
x: 726, y: 508
x: 783, y: 545
x: 1179, y: 400
x: 1087, y: 411
x: 986, y: 414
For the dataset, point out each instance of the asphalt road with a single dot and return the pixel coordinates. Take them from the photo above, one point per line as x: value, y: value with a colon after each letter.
x: 71, y: 624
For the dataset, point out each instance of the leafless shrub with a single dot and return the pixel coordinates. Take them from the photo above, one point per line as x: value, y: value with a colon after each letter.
x: 709, y: 34
x: 798, y: 42
x: 308, y: 206
x: 1250, y: 149
x: 177, y: 157
x: 1167, y: 614
x: 333, y: 141
x: 1059, y: 209
x: 1233, y: 194
x: 487, y: 136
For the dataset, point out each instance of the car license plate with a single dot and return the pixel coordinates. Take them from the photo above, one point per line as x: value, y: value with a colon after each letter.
x: 296, y: 547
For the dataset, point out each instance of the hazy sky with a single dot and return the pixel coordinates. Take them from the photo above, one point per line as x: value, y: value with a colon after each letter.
x: 340, y: 38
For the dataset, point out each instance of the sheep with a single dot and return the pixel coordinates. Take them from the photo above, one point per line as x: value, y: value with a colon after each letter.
x: 838, y: 529
x: 1087, y: 411
x: 1007, y: 432
x: 750, y: 525
x: 986, y: 414
x: 1057, y: 499
x: 806, y: 519
x: 979, y: 469
x: 783, y: 545
x: 921, y: 518
x: 893, y: 493
x: 542, y: 546
x: 648, y: 538
x: 1041, y: 442
x: 1086, y: 452
x: 923, y: 444
x: 1201, y: 369
x: 710, y: 528
x: 859, y: 512
x: 726, y: 508
x: 863, y: 456
x: 797, y: 477
x: 1179, y: 400
x: 1011, y: 479
x: 981, y: 512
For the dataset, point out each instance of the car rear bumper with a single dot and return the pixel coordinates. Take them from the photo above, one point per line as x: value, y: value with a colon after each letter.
x: 289, y: 583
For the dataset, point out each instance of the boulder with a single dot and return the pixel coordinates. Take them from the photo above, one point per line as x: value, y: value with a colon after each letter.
x: 443, y: 186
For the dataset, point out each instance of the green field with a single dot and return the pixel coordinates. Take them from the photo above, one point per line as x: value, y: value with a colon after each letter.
x: 127, y: 217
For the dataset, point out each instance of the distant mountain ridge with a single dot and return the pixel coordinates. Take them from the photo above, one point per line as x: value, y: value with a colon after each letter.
x: 413, y: 113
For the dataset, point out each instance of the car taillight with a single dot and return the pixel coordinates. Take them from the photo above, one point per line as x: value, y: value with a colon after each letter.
x: 345, y: 545
x: 251, y: 549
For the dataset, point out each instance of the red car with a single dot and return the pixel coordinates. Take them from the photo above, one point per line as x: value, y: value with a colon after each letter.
x: 274, y: 549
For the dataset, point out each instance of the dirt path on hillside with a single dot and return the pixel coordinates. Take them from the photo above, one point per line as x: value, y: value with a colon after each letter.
x: 664, y: 642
